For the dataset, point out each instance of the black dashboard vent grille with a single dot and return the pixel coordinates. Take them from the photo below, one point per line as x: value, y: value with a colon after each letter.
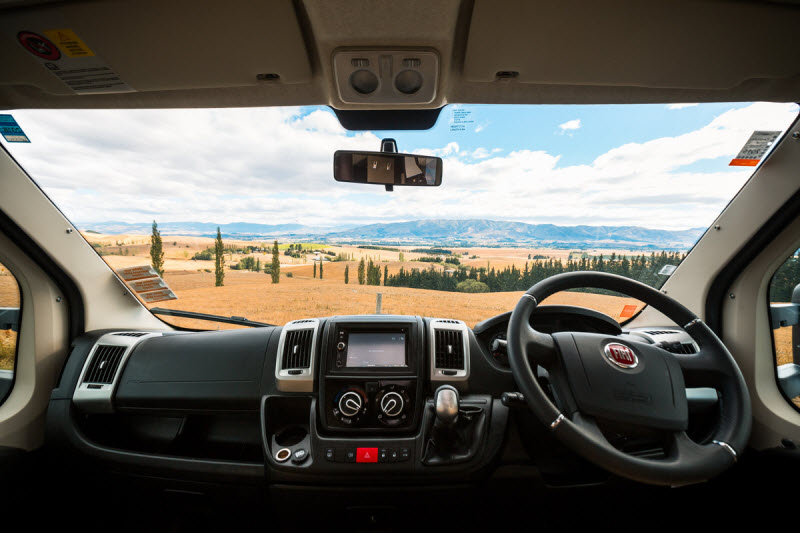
x: 297, y: 349
x: 679, y: 347
x: 660, y: 332
x: 449, y: 349
x: 131, y: 334
x: 104, y: 365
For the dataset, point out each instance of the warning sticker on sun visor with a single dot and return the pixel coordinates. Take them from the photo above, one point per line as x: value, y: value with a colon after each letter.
x: 754, y: 149
x: 71, y: 60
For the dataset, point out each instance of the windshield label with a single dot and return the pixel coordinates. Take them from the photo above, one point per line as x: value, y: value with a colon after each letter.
x: 11, y: 131
x: 754, y: 149
x: 70, y: 60
x: 137, y: 272
x: 149, y: 284
x: 157, y: 296
x: 146, y: 282
x: 667, y: 270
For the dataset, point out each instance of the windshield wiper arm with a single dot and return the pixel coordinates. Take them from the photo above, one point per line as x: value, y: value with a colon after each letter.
x: 240, y: 320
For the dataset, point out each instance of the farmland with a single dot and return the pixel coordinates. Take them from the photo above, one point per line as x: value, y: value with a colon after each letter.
x: 299, y: 294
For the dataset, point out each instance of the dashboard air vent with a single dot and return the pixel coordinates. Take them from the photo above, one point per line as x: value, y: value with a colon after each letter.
x: 661, y: 332
x: 449, y: 349
x: 303, y: 321
x: 131, y: 334
x: 104, y: 365
x: 297, y: 349
x: 679, y: 347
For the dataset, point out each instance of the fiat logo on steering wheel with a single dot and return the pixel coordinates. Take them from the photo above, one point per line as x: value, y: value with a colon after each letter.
x: 621, y: 355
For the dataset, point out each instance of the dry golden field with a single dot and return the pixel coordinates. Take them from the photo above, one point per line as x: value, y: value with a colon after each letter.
x: 251, y: 295
x: 9, y: 297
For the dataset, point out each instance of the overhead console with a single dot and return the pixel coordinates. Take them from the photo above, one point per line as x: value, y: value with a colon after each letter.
x: 371, y: 374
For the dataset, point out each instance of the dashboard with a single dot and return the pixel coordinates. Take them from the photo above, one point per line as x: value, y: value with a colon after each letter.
x: 342, y: 399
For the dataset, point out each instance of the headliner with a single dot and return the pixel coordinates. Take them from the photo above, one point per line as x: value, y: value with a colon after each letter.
x: 182, y: 53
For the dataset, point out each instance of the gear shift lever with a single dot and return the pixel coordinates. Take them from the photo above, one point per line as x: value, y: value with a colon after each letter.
x: 446, y: 404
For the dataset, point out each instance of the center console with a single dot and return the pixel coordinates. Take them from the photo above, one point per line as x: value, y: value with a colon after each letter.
x: 378, y: 403
x: 371, y: 375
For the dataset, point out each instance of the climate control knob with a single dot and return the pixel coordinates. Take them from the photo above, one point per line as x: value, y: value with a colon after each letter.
x: 392, y: 404
x: 350, y: 404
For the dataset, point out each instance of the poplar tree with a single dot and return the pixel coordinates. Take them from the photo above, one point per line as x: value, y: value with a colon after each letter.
x: 346, y: 274
x: 362, y: 271
x: 275, y: 267
x: 219, y: 260
x: 156, y: 251
x: 315, y: 270
x: 385, y: 273
x: 320, y: 269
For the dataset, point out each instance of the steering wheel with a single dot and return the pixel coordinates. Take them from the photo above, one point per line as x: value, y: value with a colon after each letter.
x: 629, y: 384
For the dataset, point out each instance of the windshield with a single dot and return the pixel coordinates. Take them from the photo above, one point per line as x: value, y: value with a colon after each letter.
x: 238, y: 211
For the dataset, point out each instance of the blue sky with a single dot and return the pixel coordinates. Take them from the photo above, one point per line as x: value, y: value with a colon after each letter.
x: 658, y: 166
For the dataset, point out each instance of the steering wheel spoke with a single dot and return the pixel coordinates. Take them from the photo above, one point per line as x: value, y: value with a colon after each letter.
x: 700, y: 369
x: 539, y: 347
x: 588, y: 424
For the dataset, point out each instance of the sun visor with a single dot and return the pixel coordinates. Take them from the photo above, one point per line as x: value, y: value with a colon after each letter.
x: 148, y: 45
x: 682, y: 45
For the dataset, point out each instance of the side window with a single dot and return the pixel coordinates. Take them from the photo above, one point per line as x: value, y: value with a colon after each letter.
x: 784, y: 300
x: 9, y: 329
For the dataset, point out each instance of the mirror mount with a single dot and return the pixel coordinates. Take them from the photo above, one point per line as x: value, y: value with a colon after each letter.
x: 389, y: 146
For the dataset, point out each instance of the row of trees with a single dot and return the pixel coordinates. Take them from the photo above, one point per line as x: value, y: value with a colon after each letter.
x: 642, y: 267
x: 219, y: 250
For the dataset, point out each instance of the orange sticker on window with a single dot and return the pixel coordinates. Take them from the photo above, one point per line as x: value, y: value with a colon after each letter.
x: 744, y: 163
x: 628, y: 311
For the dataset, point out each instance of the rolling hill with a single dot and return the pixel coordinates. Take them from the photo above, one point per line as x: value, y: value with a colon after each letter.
x: 433, y: 231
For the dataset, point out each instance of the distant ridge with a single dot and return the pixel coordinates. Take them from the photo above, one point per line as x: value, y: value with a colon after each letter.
x: 433, y: 231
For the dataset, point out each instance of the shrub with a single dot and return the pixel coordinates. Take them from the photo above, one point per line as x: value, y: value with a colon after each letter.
x: 472, y: 285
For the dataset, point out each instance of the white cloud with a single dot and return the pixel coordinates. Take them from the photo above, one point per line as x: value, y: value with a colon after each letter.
x: 274, y: 166
x: 570, y: 125
x: 680, y: 106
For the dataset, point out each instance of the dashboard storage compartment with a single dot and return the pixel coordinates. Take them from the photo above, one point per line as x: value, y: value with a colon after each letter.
x: 285, y: 429
x: 208, y: 371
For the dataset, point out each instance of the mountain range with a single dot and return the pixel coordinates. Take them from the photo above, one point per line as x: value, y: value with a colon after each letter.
x: 431, y: 231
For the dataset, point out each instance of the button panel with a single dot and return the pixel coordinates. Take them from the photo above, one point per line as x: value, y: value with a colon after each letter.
x: 368, y: 455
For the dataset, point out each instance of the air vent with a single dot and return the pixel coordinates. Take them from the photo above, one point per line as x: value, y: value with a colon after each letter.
x: 679, y: 347
x: 131, y: 334
x: 104, y: 365
x: 297, y: 349
x: 449, y: 350
x: 294, y: 366
x: 661, y: 332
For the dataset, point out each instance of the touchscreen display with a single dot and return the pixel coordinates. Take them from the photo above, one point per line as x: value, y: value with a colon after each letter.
x: 376, y: 349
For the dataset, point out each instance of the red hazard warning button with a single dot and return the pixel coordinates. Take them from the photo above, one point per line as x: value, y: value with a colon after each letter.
x: 367, y: 455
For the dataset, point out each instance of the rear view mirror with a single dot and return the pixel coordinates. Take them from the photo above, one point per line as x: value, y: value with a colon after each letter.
x: 387, y: 168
